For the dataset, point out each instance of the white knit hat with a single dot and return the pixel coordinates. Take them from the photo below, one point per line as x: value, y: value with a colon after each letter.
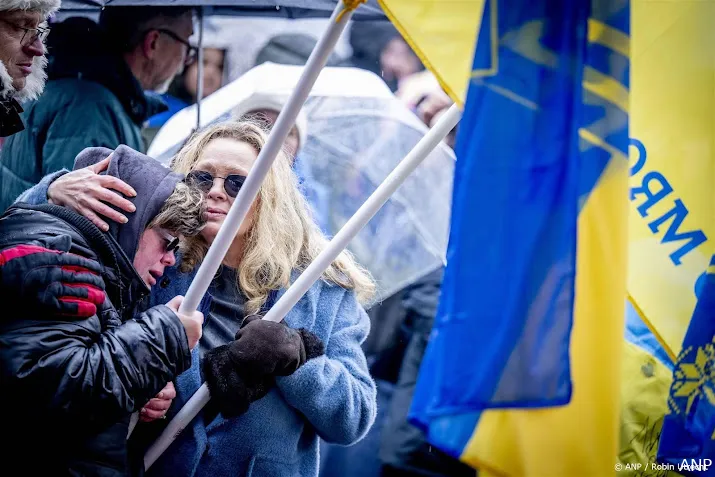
x: 274, y: 103
x: 46, y: 7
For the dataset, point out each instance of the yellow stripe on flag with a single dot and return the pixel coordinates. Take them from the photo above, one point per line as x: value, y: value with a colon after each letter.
x: 672, y: 161
x: 443, y: 33
x: 581, y: 438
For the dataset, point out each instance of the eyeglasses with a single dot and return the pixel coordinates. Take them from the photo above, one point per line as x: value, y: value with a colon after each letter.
x: 191, y: 51
x: 35, y: 33
x: 204, y: 180
x: 172, y: 243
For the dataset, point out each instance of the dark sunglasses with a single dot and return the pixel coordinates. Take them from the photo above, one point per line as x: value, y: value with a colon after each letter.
x: 204, y: 180
x: 172, y: 243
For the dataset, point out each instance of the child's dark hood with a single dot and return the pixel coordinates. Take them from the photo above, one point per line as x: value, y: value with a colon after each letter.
x: 153, y: 183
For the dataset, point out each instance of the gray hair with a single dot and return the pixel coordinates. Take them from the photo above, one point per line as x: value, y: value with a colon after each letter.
x: 125, y: 27
x: 45, y: 7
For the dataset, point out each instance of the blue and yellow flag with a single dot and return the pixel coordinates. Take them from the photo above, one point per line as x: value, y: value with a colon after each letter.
x: 646, y: 376
x: 687, y: 440
x: 672, y: 221
x: 521, y: 376
x: 672, y: 197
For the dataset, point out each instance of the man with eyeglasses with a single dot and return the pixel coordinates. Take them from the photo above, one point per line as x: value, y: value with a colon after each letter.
x: 95, y: 96
x: 80, y: 349
x: 22, y: 57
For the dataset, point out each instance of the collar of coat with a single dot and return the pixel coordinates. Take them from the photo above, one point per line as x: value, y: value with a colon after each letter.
x: 112, y: 72
x: 34, y: 84
x: 10, y: 109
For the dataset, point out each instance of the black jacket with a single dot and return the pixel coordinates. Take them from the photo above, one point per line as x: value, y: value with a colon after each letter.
x: 10, y: 121
x: 404, y: 450
x: 68, y: 387
x: 10, y: 109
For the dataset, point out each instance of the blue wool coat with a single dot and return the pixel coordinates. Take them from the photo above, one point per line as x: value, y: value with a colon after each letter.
x: 332, y: 397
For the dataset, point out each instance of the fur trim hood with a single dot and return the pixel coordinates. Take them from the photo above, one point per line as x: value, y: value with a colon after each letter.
x: 46, y: 7
x: 35, y: 83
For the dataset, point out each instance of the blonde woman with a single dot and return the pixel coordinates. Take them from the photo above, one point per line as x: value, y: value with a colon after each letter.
x: 330, y: 396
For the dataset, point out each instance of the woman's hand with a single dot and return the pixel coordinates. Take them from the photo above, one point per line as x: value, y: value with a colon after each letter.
x: 244, y: 370
x: 157, y: 407
x: 85, y: 192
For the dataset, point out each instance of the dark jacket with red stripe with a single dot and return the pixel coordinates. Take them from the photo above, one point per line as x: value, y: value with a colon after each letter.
x: 68, y: 388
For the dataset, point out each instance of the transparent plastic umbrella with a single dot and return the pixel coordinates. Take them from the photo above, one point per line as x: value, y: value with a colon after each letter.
x: 357, y: 133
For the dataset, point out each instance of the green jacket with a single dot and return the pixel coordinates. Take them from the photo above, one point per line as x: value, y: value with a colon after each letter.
x: 89, y: 101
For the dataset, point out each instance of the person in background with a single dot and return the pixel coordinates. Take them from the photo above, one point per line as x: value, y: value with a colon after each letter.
x: 183, y: 91
x: 378, y: 47
x: 394, y: 447
x: 403, y: 448
x: 422, y: 93
x: 23, y: 30
x: 265, y: 108
x: 288, y: 48
x: 401, y: 325
x: 214, y: 76
x: 292, y: 49
x: 95, y: 96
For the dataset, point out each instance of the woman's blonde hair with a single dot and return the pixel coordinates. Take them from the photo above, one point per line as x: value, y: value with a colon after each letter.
x: 283, y: 236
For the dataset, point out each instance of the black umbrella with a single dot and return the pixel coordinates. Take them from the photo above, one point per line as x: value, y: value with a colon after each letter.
x: 292, y: 9
x: 276, y: 8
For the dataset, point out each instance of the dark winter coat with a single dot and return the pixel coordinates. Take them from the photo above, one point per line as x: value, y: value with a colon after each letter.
x: 69, y: 386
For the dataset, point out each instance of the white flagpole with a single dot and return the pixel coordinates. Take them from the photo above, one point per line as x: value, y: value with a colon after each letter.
x: 247, y: 194
x: 311, y: 274
x: 200, y: 72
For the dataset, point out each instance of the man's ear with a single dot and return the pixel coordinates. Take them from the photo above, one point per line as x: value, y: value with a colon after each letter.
x: 150, y: 44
